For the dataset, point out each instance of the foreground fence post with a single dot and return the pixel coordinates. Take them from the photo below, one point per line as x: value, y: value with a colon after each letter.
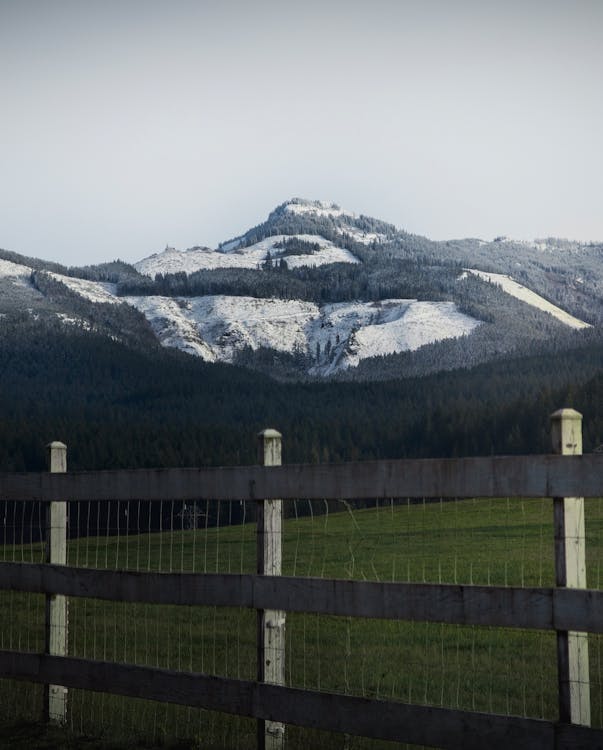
x: 570, y: 571
x: 270, y: 623
x: 55, y: 696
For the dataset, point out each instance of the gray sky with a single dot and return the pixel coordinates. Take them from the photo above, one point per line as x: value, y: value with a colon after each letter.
x: 126, y: 125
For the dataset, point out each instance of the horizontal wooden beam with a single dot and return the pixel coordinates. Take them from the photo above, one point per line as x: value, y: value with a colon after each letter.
x: 531, y: 608
x: 388, y: 720
x: 493, y: 476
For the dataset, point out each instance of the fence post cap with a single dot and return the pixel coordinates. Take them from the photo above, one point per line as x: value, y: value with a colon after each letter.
x: 566, y: 432
x: 269, y: 433
x: 56, y: 445
x: 566, y: 413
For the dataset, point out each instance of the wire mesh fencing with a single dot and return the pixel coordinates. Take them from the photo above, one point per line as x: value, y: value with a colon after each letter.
x: 498, y: 542
x: 167, y: 537
x: 506, y: 542
x: 22, y: 614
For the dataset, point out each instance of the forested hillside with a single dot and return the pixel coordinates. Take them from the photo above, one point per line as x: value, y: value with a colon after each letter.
x: 119, y: 407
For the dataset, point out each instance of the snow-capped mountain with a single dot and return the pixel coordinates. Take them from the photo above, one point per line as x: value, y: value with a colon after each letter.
x: 329, y: 292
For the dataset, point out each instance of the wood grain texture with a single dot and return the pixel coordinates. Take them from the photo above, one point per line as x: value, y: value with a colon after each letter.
x: 270, y: 639
x: 570, y: 571
x: 492, y: 476
x: 57, y: 605
x: 532, y: 608
x: 423, y: 725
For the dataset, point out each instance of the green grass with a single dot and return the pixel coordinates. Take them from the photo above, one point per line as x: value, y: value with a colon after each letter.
x: 502, y: 542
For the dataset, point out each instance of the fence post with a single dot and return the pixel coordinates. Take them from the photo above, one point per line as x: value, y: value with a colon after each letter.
x: 270, y: 623
x: 570, y: 571
x: 55, y: 696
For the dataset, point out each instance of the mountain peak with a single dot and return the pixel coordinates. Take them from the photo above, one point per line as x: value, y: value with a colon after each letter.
x: 320, y: 208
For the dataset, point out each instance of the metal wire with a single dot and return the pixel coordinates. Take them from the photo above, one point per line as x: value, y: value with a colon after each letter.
x: 489, y: 542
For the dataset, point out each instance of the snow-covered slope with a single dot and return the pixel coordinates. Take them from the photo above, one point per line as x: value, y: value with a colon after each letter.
x: 367, y: 238
x: 94, y: 291
x: 217, y: 327
x: 336, y: 336
x: 174, y: 261
x: 524, y: 294
x: 327, y: 252
x: 232, y: 256
x: 408, y: 328
x: 173, y: 325
x: 15, y: 277
x: 15, y: 272
x: 319, y: 208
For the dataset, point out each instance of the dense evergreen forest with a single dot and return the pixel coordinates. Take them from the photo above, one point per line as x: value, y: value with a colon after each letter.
x: 116, y: 407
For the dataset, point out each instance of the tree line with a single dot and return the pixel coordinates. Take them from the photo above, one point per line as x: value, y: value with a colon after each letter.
x: 117, y: 407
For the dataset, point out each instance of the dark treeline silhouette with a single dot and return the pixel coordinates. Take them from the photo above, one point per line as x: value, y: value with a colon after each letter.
x: 117, y: 407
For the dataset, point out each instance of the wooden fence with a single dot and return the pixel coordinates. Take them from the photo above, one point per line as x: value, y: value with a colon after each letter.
x: 570, y: 609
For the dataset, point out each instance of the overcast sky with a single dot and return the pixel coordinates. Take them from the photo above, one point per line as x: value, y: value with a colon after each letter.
x: 126, y: 124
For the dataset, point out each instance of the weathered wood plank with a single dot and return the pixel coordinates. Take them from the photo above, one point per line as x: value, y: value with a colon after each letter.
x: 57, y: 605
x: 270, y: 656
x: 575, y: 737
x: 389, y: 720
x: 531, y: 608
x: 493, y: 476
x: 570, y: 572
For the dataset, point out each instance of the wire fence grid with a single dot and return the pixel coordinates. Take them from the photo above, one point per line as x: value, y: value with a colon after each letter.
x: 507, y: 541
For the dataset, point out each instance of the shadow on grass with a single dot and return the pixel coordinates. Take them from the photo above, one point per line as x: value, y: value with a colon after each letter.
x: 39, y: 736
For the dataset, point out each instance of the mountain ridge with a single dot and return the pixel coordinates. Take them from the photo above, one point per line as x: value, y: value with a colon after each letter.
x: 326, y: 291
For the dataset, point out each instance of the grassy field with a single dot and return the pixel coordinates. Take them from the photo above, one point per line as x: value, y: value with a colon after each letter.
x: 503, y: 542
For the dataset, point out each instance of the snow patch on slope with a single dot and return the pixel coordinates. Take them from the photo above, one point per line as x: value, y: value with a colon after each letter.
x: 216, y: 327
x: 366, y: 238
x: 319, y: 208
x: 231, y: 256
x: 69, y: 320
x: 94, y: 291
x: 408, y: 329
x: 524, y: 294
x: 173, y: 324
x: 233, y: 323
x: 327, y: 252
x: 352, y: 331
x: 174, y: 261
x: 332, y: 210
x: 15, y: 272
x: 336, y: 336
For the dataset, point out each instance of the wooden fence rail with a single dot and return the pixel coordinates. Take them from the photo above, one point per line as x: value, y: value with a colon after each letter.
x: 495, y: 606
x: 389, y: 720
x: 493, y: 476
x: 570, y: 608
